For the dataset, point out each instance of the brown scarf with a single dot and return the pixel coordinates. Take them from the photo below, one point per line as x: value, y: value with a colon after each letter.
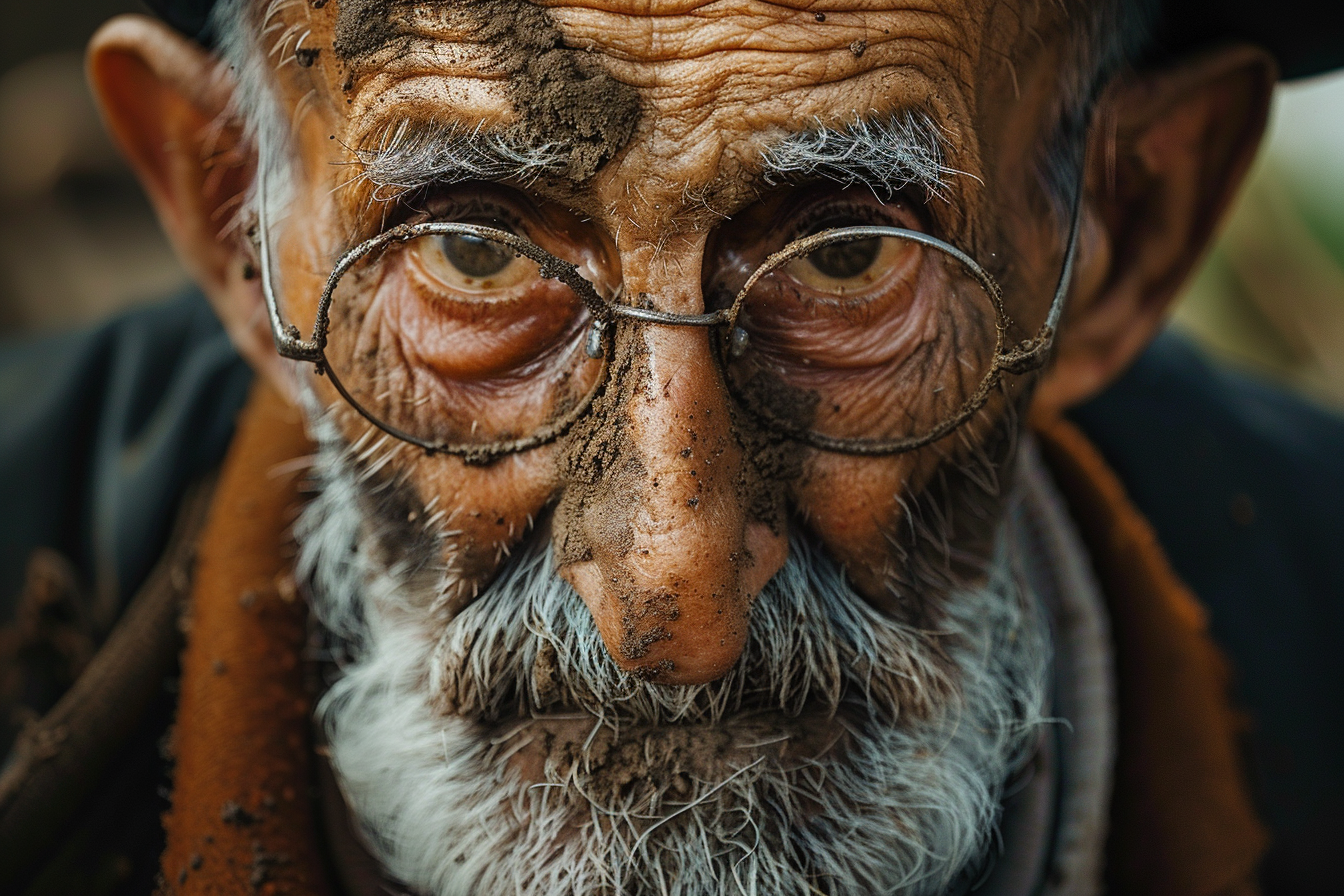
x: 243, y: 820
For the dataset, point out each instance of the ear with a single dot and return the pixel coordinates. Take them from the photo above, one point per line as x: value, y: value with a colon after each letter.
x: 166, y: 102
x: 1168, y: 151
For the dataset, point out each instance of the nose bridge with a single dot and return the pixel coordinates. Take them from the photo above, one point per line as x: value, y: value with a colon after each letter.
x: 682, y: 430
x: 670, y: 559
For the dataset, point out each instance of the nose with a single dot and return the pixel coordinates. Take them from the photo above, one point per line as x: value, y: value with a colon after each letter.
x: 655, y: 528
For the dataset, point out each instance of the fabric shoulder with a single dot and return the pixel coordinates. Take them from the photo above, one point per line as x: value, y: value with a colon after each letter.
x: 101, y: 431
x: 1243, y: 480
x: 1243, y: 483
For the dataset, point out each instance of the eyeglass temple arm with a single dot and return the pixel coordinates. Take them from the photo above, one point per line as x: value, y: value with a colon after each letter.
x: 1032, y: 353
x: 289, y: 343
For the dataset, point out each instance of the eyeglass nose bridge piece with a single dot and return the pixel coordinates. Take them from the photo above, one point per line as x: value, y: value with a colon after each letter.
x: 737, y: 339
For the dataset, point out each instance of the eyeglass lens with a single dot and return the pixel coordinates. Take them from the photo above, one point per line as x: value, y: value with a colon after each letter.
x: 456, y: 339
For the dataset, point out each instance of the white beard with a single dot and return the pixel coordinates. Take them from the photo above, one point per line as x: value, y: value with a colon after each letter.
x: 503, y: 752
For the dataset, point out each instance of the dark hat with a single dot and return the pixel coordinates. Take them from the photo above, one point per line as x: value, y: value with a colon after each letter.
x: 1306, y: 36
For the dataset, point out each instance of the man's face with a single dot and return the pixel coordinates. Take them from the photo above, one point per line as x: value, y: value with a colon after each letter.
x: 664, y: 507
x: 660, y: 120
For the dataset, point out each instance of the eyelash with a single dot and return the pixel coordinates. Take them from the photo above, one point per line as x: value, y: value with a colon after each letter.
x: 824, y: 213
x: 469, y: 209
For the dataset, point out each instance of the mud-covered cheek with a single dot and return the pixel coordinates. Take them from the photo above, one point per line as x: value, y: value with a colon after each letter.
x: 481, y: 514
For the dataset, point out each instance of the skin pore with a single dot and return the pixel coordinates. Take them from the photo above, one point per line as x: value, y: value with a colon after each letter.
x: 669, y: 543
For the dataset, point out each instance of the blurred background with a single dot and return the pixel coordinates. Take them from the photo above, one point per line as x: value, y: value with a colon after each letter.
x: 78, y: 241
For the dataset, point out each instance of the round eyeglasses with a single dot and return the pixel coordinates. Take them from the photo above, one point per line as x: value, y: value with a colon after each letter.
x: 470, y: 340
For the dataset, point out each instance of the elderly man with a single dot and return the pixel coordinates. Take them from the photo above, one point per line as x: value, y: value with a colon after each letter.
x: 657, y: 377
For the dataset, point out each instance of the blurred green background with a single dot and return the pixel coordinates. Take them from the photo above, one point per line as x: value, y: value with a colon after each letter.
x: 1271, y: 294
x: 78, y: 241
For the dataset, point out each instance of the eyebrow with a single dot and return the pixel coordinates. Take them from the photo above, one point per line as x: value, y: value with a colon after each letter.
x: 886, y: 155
x: 412, y: 154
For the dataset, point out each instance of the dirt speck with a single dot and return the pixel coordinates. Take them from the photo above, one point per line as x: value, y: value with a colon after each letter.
x: 546, y: 676
x: 601, y: 466
x: 364, y: 27
x: 264, y: 864
x: 637, y: 641
x: 642, y: 618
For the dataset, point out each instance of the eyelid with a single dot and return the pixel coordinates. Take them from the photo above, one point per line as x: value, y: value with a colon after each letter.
x: 477, y: 207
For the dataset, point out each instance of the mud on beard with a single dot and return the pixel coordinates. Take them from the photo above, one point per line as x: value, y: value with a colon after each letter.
x: 847, y: 753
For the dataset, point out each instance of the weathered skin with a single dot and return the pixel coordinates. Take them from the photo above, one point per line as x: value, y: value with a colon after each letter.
x: 713, y: 80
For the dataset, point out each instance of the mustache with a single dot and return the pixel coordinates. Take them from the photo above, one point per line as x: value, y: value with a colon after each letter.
x: 528, y: 646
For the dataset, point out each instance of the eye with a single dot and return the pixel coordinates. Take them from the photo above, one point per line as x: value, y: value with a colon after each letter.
x: 850, y: 267
x: 473, y: 256
x: 847, y: 267
x: 845, y: 261
x: 466, y: 263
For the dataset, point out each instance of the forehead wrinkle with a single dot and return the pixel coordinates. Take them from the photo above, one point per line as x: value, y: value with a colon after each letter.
x: 945, y: 36
x: 642, y: 34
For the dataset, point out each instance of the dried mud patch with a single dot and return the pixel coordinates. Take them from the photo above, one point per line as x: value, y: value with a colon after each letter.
x: 562, y: 95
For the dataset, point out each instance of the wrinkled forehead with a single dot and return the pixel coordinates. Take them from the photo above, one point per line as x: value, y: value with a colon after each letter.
x: 678, y: 99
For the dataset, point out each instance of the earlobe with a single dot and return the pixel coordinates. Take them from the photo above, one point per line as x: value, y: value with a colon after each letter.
x: 165, y: 100
x: 1167, y: 154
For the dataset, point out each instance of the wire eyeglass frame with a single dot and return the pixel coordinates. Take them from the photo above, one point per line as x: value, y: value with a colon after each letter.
x: 1027, y: 355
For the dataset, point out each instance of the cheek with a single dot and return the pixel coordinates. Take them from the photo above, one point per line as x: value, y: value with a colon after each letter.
x: 453, y: 522
x: 487, y: 511
x: 850, y: 505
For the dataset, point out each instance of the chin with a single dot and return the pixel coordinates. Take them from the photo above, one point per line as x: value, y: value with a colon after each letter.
x: 500, y: 750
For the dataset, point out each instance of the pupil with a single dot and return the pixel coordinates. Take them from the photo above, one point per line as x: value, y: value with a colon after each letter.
x: 844, y: 261
x: 474, y: 256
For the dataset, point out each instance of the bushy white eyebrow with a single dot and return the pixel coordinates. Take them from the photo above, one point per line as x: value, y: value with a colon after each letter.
x: 886, y: 155
x: 415, y: 154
